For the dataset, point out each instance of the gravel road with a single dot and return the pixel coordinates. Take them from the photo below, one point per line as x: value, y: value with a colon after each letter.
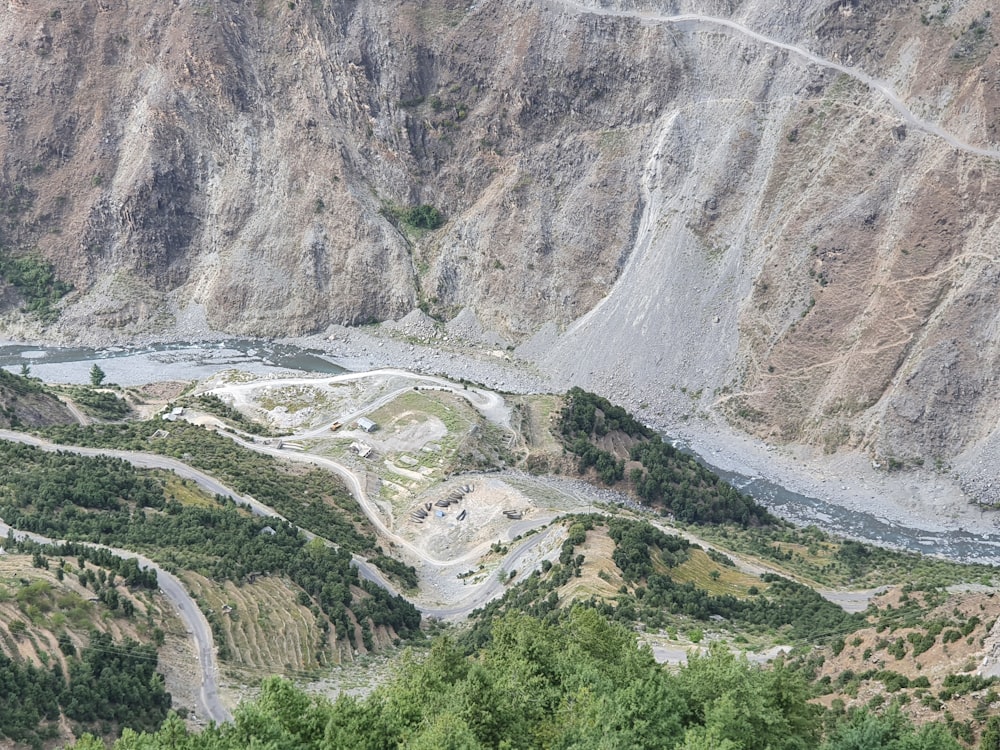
x: 197, y: 626
x: 713, y: 22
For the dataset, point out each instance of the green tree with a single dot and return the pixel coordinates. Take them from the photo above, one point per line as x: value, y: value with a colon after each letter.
x: 87, y: 742
x: 865, y: 730
x: 447, y: 732
x: 424, y: 216
x: 756, y: 709
x: 700, y: 738
x: 991, y: 735
x: 96, y: 375
x: 577, y: 681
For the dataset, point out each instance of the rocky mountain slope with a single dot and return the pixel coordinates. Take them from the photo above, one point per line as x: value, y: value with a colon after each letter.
x: 780, y: 212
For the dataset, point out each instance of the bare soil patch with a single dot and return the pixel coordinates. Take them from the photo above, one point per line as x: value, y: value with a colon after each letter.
x: 599, y: 576
x: 149, y: 399
x: 442, y: 534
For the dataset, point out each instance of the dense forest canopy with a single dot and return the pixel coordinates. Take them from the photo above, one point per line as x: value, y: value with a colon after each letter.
x: 578, y: 683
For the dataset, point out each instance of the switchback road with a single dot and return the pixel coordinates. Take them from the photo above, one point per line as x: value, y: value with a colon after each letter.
x: 882, y: 88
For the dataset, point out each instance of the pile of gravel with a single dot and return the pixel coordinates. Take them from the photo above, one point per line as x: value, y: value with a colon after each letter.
x: 415, y: 324
x: 466, y: 326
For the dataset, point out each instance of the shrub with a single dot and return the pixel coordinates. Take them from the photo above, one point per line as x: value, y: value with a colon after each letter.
x: 423, y: 216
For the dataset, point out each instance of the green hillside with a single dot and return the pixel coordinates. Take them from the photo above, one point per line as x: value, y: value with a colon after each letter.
x: 579, y: 683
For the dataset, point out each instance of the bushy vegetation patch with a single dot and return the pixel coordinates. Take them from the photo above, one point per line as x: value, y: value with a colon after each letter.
x: 36, y: 281
x: 579, y: 682
x: 646, y: 557
x: 108, y: 501
x: 100, y: 404
x: 108, y: 686
x: 833, y: 561
x: 311, y: 498
x: 665, y: 478
x: 212, y: 404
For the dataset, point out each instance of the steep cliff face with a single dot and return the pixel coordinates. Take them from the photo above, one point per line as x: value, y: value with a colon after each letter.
x: 243, y: 156
x: 187, y: 153
x: 787, y: 212
x: 816, y: 254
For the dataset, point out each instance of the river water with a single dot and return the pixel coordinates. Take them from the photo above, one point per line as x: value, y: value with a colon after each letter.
x: 959, y: 545
x: 174, y: 361
x: 190, y: 361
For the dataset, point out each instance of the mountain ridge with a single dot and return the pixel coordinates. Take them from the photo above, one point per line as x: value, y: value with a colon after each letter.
x: 726, y: 200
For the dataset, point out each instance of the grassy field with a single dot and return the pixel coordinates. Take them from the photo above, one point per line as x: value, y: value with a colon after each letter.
x: 295, y: 398
x: 422, y: 434
x: 236, y: 376
x: 420, y: 407
x: 536, y: 418
x: 706, y: 573
x: 183, y: 491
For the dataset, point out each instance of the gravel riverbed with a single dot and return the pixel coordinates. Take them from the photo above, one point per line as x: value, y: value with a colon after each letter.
x: 921, y: 499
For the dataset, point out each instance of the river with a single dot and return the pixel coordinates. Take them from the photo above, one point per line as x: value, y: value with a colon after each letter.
x: 189, y: 361
x: 954, y: 544
x: 174, y: 361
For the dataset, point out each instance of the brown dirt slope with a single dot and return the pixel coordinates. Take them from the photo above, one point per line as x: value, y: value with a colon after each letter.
x: 24, y: 403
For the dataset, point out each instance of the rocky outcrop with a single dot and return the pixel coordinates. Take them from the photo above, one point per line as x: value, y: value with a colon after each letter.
x: 781, y: 213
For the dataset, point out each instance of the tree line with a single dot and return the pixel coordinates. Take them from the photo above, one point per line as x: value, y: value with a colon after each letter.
x: 580, y: 682
x: 665, y: 478
x: 310, y: 498
x: 107, y: 501
x: 109, y: 685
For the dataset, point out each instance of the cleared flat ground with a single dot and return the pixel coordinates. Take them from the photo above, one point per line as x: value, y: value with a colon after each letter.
x: 484, y: 522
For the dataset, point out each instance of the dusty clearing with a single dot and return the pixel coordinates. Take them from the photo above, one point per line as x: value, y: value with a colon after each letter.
x: 302, y: 404
x: 147, y: 400
x: 442, y: 534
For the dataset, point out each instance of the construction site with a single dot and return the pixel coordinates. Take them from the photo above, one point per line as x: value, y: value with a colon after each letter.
x: 425, y: 456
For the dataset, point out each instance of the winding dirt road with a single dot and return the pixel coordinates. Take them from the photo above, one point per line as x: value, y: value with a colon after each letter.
x: 491, y: 405
x: 881, y: 87
x: 483, y: 593
x: 209, y: 704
